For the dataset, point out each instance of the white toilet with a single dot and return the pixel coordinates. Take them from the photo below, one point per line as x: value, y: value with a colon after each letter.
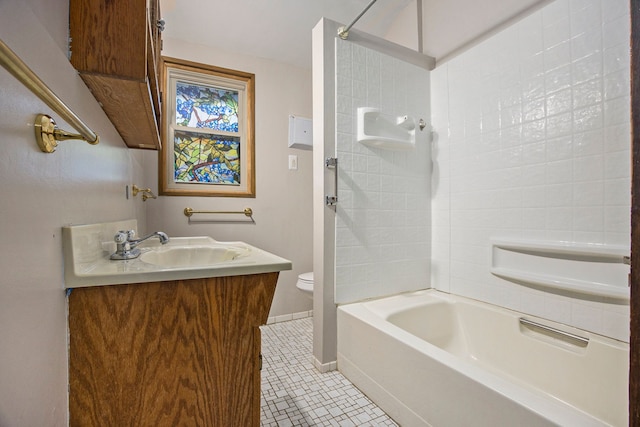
x: 305, y: 283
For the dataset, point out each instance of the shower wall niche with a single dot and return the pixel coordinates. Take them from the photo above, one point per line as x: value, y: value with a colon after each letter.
x: 383, y: 238
x: 389, y: 133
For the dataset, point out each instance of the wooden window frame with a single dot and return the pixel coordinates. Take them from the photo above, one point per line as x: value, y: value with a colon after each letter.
x: 201, y: 74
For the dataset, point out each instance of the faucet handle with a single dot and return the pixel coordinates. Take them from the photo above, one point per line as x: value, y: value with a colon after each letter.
x: 124, y: 236
x: 121, y: 236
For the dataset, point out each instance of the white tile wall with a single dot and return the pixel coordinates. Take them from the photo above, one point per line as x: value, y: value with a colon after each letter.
x: 533, y: 141
x: 382, y: 228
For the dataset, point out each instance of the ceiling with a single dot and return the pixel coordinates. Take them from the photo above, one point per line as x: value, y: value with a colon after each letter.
x: 281, y: 29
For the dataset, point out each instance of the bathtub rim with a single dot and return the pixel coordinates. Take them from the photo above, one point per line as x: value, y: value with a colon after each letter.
x: 451, y: 297
x: 532, y: 399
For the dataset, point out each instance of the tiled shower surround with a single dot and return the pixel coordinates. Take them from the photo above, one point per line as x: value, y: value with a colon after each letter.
x: 382, y: 228
x: 533, y: 142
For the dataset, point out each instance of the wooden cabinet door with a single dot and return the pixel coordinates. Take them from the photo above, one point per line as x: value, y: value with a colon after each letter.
x: 115, y: 46
x: 168, y: 353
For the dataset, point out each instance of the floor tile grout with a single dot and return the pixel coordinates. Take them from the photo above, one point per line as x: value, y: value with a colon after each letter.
x: 295, y: 393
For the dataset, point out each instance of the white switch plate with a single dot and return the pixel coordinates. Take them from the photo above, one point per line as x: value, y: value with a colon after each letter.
x: 293, y: 162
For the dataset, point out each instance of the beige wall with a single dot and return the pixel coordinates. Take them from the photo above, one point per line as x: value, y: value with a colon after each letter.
x: 86, y: 184
x: 282, y: 207
x: 39, y: 194
x: 404, y: 29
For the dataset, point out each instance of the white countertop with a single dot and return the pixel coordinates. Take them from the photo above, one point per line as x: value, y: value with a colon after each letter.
x: 87, y: 261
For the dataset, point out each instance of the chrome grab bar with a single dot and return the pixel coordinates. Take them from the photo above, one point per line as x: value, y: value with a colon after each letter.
x: 332, y: 162
x: 582, y: 340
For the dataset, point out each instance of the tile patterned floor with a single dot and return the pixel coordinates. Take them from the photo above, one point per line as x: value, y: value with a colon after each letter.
x: 294, y: 393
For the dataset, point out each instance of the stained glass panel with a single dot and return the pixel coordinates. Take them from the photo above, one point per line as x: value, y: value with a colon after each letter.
x: 206, y: 159
x: 202, y: 106
x: 209, y: 131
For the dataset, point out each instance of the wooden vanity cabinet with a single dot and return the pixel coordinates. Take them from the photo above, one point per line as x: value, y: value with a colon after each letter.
x: 115, y: 46
x: 183, y: 352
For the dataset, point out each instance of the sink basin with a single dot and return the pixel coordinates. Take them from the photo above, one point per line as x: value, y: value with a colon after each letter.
x: 192, y: 256
x: 88, y: 249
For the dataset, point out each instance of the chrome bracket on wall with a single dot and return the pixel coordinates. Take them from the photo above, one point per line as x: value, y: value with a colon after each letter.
x: 332, y: 163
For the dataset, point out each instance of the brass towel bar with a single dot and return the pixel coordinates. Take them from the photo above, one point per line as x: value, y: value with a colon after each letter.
x: 246, y: 212
x: 47, y: 133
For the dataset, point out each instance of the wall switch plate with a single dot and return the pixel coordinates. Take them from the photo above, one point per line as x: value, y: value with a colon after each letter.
x: 293, y: 162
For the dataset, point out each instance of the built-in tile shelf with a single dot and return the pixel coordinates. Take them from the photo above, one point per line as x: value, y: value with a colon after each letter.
x: 378, y: 131
x: 583, y: 268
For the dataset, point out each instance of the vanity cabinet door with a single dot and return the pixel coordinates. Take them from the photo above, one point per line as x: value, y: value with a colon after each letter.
x: 115, y: 48
x: 168, y: 353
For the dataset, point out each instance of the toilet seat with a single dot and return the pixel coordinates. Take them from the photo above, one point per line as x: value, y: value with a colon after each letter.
x: 306, y: 277
x: 305, y: 282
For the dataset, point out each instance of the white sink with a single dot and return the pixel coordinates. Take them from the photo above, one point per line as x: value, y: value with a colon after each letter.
x: 192, y: 256
x: 88, y: 249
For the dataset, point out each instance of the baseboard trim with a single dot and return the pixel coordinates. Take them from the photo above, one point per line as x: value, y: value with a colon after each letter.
x: 325, y: 367
x: 290, y: 316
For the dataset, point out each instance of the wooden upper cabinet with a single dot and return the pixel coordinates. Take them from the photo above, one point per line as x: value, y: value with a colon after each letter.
x: 115, y: 46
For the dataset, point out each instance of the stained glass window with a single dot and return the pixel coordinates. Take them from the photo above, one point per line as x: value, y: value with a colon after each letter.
x: 206, y: 107
x: 209, y: 131
x: 206, y: 158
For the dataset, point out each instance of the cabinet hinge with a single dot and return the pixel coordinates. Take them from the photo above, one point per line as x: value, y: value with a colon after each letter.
x: 260, y: 360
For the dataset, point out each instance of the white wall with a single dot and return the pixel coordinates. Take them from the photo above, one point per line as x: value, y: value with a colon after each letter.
x: 39, y: 194
x: 383, y: 236
x: 533, y: 142
x: 282, y: 206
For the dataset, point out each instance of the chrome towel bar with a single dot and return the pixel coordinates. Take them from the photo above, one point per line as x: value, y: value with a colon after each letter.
x: 562, y: 334
x: 248, y: 212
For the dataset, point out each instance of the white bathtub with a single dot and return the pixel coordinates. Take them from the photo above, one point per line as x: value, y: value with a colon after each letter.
x: 430, y: 358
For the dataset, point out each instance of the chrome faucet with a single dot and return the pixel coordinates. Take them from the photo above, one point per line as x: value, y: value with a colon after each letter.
x: 126, y: 245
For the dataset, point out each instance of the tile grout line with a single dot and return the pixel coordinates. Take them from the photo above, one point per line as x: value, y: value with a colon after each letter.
x: 295, y: 393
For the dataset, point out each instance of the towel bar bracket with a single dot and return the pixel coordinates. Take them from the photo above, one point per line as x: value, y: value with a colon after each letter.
x: 48, y: 134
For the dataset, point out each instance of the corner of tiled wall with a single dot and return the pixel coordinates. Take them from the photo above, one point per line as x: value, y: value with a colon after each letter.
x: 533, y: 142
x: 440, y: 180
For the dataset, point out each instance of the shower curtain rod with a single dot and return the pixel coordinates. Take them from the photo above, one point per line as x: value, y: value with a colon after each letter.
x: 343, y: 32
